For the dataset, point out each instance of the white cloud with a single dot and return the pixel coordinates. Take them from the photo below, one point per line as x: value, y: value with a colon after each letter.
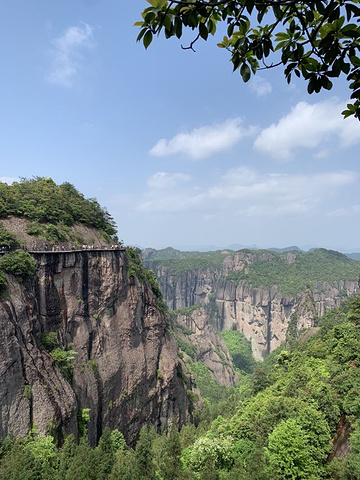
x: 161, y: 180
x: 170, y: 192
x: 308, y: 126
x: 245, y: 192
x: 345, y: 212
x: 278, y: 194
x: 171, y: 203
x: 260, y: 86
x: 8, y: 180
x: 67, y: 58
x: 204, y: 141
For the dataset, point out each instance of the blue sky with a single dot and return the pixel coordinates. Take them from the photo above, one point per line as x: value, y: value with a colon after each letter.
x: 177, y: 148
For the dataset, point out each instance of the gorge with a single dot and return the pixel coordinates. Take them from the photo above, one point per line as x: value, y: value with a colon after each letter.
x: 259, y: 293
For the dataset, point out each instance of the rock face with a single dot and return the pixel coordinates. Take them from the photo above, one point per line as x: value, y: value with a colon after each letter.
x: 261, y: 314
x: 125, y: 369
x: 209, y: 347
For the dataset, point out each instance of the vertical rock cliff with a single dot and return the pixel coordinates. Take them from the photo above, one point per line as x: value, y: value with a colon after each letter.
x: 121, y: 361
x: 262, y: 314
x: 208, y: 346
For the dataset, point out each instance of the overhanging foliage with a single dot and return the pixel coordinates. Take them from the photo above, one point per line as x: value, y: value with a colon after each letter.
x: 316, y: 40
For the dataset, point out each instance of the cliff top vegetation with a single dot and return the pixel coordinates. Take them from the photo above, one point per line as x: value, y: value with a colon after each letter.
x: 177, y: 261
x: 305, y: 269
x: 292, y: 272
x: 51, y: 210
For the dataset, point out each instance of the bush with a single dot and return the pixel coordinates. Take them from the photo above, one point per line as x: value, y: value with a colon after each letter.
x: 49, y: 340
x: 64, y: 360
x: 6, y: 238
x: 18, y: 263
x: 2, y: 281
x: 136, y: 269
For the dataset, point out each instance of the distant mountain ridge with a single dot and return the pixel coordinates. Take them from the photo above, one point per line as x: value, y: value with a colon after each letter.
x: 354, y: 256
x: 350, y: 252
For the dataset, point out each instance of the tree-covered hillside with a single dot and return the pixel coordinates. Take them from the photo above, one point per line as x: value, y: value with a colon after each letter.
x: 292, y: 272
x: 292, y: 276
x: 50, y: 210
x: 39, y: 212
x: 296, y: 418
x: 177, y: 261
x: 41, y: 200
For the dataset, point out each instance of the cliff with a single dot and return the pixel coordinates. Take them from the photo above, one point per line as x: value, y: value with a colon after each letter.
x: 259, y: 293
x: 118, y: 358
x: 206, y: 345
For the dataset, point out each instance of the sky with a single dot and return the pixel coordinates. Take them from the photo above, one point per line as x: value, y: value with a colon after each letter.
x: 178, y: 149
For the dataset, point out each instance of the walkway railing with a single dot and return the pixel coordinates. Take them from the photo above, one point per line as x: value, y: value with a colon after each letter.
x: 61, y: 249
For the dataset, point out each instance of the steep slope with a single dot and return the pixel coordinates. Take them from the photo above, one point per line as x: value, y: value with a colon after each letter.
x: 258, y: 292
x: 82, y: 334
x: 200, y: 343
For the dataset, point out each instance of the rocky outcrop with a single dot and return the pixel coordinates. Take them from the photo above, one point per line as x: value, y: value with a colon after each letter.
x: 209, y: 347
x: 261, y: 314
x: 125, y: 369
x: 187, y: 288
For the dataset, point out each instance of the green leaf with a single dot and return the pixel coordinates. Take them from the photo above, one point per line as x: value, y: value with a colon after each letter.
x: 245, y: 72
x: 178, y: 27
x: 345, y: 67
x: 281, y: 36
x: 249, y: 4
x: 356, y: 94
x: 149, y: 17
x: 203, y: 31
x: 167, y: 22
x: 311, y: 86
x: 157, y: 3
x: 350, y: 31
x: 326, y: 83
x: 141, y: 34
x: 211, y: 26
x: 147, y: 39
x: 254, y: 64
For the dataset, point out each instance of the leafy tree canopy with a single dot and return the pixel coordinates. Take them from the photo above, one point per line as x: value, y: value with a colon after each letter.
x: 18, y: 263
x: 41, y: 200
x: 317, y: 40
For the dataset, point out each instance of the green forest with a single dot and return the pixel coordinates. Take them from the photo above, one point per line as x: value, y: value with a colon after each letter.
x: 278, y: 423
x: 264, y: 269
x: 178, y: 262
x: 307, y: 269
x: 48, y: 206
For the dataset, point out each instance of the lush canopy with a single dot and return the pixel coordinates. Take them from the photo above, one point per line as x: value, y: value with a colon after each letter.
x: 41, y: 200
x: 282, y: 429
x: 318, y: 40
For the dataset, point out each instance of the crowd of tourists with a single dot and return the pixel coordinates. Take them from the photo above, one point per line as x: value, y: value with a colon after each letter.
x: 41, y: 247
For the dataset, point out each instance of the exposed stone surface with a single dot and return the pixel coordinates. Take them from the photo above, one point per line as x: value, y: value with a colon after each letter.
x: 210, y: 348
x: 80, y: 232
x: 126, y: 365
x: 261, y: 314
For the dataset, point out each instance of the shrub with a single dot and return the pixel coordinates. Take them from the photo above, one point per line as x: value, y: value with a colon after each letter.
x: 93, y: 365
x: 27, y: 393
x: 18, y: 263
x: 49, y: 340
x: 6, y: 238
x: 2, y: 281
x: 64, y: 360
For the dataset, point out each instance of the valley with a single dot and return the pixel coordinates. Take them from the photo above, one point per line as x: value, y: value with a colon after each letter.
x: 121, y: 363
